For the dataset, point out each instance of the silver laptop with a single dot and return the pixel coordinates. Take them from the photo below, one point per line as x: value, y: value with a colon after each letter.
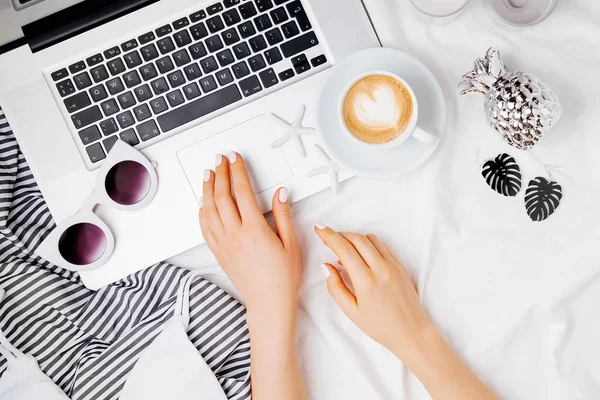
x: 180, y: 80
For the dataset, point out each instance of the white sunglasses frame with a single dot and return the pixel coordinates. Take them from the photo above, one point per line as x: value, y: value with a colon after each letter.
x: 119, y: 153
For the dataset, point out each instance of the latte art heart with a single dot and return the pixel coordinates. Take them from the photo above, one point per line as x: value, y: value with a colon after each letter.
x: 378, y: 109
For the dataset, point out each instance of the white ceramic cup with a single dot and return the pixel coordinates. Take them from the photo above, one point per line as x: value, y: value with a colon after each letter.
x: 412, y: 130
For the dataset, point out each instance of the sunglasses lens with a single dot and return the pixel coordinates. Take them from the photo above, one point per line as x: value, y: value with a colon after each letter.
x: 82, y: 244
x: 127, y: 183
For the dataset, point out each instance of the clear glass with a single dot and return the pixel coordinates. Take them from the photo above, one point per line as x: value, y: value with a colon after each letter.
x: 511, y: 25
x: 441, y: 18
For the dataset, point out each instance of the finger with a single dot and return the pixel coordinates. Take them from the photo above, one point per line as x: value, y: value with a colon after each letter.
x: 357, y: 269
x: 282, y: 215
x: 340, y: 292
x: 365, y: 248
x: 209, y: 236
x: 242, y: 188
x: 383, y: 250
x: 209, y: 208
x: 223, y: 199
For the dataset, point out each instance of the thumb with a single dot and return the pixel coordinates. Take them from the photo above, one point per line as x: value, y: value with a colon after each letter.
x: 283, y: 218
x: 340, y: 292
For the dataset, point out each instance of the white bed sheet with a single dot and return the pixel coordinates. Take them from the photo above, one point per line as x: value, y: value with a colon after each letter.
x: 517, y: 300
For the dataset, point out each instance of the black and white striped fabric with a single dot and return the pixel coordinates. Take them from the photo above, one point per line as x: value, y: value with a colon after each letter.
x: 87, y: 342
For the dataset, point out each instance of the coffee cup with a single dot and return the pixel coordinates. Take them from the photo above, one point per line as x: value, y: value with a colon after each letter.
x: 379, y: 110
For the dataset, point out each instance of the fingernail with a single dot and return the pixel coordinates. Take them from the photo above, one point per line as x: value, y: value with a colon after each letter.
x: 283, y: 195
x: 218, y: 159
x: 325, y: 270
x: 206, y: 175
x: 232, y: 157
x: 320, y: 226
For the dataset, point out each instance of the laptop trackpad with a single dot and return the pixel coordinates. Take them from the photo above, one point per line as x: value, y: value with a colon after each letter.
x: 268, y: 167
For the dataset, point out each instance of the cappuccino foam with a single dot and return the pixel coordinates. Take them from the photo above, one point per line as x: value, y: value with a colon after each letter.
x: 378, y: 109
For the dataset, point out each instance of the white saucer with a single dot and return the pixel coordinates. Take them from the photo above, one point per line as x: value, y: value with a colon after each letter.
x: 399, y: 160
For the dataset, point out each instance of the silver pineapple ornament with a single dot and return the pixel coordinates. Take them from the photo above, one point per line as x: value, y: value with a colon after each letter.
x: 518, y: 105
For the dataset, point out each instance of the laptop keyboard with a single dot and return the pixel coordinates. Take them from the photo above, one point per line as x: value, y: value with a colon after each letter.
x: 151, y: 85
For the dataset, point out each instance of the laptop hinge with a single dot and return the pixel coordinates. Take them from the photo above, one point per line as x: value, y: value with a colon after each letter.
x: 77, y: 19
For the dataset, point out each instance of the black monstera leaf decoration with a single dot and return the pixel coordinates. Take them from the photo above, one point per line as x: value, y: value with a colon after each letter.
x: 542, y: 198
x: 503, y: 175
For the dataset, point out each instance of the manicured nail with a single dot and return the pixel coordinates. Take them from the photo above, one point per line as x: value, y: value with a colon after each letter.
x: 283, y: 195
x: 232, y: 157
x: 320, y: 226
x: 206, y: 175
x: 218, y: 159
x: 325, y: 270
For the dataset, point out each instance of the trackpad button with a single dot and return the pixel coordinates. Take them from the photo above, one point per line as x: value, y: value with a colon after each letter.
x: 268, y: 167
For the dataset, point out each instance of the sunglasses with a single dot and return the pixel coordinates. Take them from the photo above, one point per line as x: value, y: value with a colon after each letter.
x: 126, y: 181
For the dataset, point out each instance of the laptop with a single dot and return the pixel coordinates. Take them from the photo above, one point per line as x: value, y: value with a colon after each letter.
x: 180, y: 80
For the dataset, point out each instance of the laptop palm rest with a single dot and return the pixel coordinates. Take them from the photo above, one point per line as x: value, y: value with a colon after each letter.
x: 267, y: 167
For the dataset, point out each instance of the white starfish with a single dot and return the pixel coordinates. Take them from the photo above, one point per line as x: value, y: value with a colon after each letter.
x: 330, y: 168
x: 293, y: 132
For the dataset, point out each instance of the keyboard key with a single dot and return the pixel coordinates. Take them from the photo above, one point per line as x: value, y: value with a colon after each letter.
x: 176, y: 79
x: 82, y: 80
x: 143, y: 93
x: 300, y: 44
x: 290, y: 29
x: 197, y: 50
x: 215, y: 24
x: 287, y: 74
x: 160, y: 86
x: 247, y: 29
x: 149, y: 52
x: 65, y: 88
x: 208, y: 84
x: 241, y: 70
x: 296, y: 10
x: 231, y: 17
x: 132, y: 59
x: 214, y: 9
x: 110, y: 107
x: 146, y: 37
x: 214, y: 44
x: 115, y: 86
x: 175, y: 98
x: 225, y: 58
x: 77, y: 102
x: 279, y: 15
x: 241, y: 50
x: 181, y: 58
x: 320, y: 60
x: 258, y: 43
x: 93, y: 60
x: 142, y: 112
x: 263, y: 5
x: 148, y: 130
x: 112, y: 52
x: 98, y: 93
x: 77, y: 67
x: 268, y: 78
x: 129, y: 137
x: 192, y: 72
x: 280, y: 2
x: 230, y: 36
x: 108, y: 126
x: 199, y: 31
x: 198, y: 15
x: 99, y: 73
x: 163, y: 30
x: 86, y: 117
x: 90, y: 135
x: 148, y: 72
x: 274, y: 36
x: 209, y: 65
x: 125, y: 119
x: 165, y: 45
x: 182, y: 38
x: 181, y: 23
x: 230, y: 3
x: 126, y: 100
x: 250, y: 86
x: 60, y: 74
x: 165, y: 65
x: 191, y: 91
x: 109, y: 142
x: 273, y: 56
x: 199, y: 108
x: 257, y: 62
x: 248, y: 10
x: 224, y: 77
x: 116, y: 66
x: 95, y: 153
x: 132, y: 78
x: 263, y: 22
x: 158, y: 105
x: 129, y: 45
x: 300, y: 64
